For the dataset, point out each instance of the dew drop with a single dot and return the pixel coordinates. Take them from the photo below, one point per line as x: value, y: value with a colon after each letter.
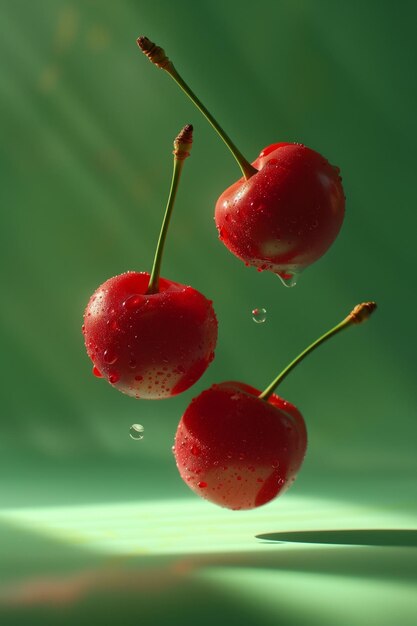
x: 259, y: 315
x: 288, y: 279
x: 97, y: 372
x: 202, y: 484
x: 109, y: 357
x: 136, y: 432
x: 114, y: 377
x: 195, y: 450
x: 113, y: 324
x: 132, y: 302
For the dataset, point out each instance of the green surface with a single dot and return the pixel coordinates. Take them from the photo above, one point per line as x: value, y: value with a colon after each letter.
x: 96, y: 526
x: 176, y: 561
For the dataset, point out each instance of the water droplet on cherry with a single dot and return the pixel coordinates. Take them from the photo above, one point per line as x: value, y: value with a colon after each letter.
x: 202, y: 484
x: 132, y: 302
x: 259, y: 315
x: 114, y: 377
x: 136, y: 432
x: 97, y: 372
x: 288, y: 279
x: 109, y: 357
x: 113, y: 324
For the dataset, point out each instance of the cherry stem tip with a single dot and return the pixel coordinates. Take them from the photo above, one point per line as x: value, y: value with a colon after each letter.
x: 155, y: 53
x: 362, y: 312
x: 183, y: 142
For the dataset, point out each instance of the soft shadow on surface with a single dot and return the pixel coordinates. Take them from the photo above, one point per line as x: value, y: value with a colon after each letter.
x: 349, y: 537
x: 44, y: 582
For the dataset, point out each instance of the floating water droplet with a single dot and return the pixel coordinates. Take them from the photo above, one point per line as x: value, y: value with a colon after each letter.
x: 259, y: 315
x: 136, y: 432
x: 288, y: 279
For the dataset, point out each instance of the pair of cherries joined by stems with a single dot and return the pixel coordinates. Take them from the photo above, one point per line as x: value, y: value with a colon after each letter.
x: 153, y: 338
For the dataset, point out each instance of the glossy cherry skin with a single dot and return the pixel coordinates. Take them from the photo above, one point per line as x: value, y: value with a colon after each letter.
x: 149, y: 345
x: 237, y: 450
x: 285, y: 216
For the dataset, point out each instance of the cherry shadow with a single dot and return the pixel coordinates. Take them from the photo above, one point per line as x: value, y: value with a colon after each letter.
x: 406, y: 538
x: 44, y: 582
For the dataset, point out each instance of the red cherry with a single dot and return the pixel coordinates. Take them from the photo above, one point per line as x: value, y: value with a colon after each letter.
x: 250, y: 450
x: 284, y: 217
x: 149, y: 345
x: 240, y: 448
x: 286, y: 210
x: 148, y: 336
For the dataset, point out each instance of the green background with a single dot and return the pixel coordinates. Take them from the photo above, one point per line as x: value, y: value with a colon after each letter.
x: 96, y: 526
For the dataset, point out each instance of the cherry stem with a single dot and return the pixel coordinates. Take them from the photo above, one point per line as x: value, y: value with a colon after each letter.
x: 182, y: 147
x: 158, y: 57
x: 360, y: 313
